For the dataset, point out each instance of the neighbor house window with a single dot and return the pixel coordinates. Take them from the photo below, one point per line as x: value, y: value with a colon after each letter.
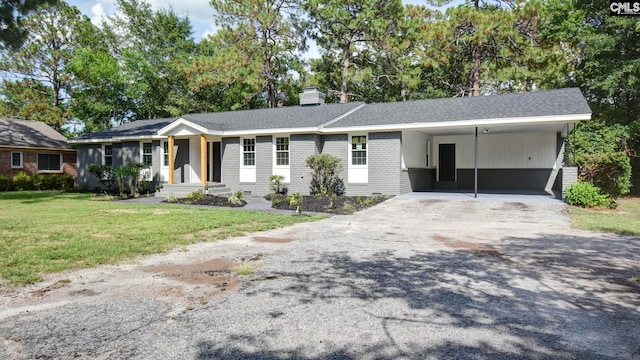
x: 108, y: 155
x: 165, y: 153
x: 16, y: 160
x: 282, y: 151
x: 49, y: 162
x: 147, y: 154
x: 249, y: 152
x: 359, y: 150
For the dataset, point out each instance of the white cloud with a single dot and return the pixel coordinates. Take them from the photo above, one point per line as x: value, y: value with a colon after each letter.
x: 212, y: 30
x: 196, y: 10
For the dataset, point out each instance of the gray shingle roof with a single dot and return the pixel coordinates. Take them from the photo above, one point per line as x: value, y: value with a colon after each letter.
x: 507, y: 106
x: 517, y: 105
x: 278, y: 118
x: 26, y: 133
x: 136, y: 128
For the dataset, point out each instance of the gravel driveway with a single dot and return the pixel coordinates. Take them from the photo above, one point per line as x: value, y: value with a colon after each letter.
x: 407, y: 279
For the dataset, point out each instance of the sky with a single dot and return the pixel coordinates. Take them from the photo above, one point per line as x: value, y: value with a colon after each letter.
x: 199, y: 12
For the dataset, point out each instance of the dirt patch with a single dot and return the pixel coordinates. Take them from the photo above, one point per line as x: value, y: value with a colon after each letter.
x: 216, y: 272
x: 456, y: 244
x: 265, y: 239
x: 54, y: 286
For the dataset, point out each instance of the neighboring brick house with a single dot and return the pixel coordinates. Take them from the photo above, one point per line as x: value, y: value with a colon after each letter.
x: 512, y: 142
x: 34, y: 147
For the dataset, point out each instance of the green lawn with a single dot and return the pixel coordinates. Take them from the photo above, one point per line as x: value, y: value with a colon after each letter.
x: 45, y: 232
x: 623, y: 220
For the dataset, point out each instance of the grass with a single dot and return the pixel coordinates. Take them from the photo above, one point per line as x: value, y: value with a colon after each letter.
x: 244, y: 269
x: 623, y: 220
x: 47, y: 232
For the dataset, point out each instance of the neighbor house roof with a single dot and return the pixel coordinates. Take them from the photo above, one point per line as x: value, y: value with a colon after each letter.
x: 532, y: 107
x: 30, y: 134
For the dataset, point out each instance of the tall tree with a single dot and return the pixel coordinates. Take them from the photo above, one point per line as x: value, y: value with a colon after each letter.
x: 274, y: 27
x: 45, y: 54
x: 485, y: 41
x: 339, y: 26
x: 12, y: 13
x: 148, y: 45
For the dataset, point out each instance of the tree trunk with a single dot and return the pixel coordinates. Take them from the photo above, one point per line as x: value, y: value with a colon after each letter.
x: 346, y: 58
x: 475, y: 76
x: 271, y: 89
x: 477, y: 61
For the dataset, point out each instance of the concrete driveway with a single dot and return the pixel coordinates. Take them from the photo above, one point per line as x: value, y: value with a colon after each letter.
x: 412, y: 278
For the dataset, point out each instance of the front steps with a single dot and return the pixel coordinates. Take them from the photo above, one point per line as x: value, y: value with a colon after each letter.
x: 181, y: 190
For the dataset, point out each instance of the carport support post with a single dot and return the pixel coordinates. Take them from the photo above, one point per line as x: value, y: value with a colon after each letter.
x: 475, y: 169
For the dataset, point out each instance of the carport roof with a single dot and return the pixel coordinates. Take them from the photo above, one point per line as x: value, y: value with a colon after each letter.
x: 508, y: 106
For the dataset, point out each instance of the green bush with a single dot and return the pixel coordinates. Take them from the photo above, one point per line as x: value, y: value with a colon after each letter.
x: 67, y: 182
x: 324, y: 174
x: 602, y: 156
x: 195, y: 196
x: 277, y: 184
x: 22, y: 181
x: 5, y: 183
x: 584, y: 194
x: 237, y: 198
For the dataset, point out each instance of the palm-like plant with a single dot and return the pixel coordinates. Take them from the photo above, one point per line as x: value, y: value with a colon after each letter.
x: 121, y: 173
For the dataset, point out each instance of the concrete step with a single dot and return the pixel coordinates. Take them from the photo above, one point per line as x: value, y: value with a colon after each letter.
x: 181, y: 190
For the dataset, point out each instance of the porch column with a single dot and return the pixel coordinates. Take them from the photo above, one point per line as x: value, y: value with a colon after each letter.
x: 475, y: 167
x: 171, y: 162
x: 203, y: 159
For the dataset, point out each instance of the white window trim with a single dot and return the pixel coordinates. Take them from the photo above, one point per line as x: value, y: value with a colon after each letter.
x: 255, y: 152
x: 275, y: 152
x: 357, y: 174
x: 49, y: 171
x: 21, y: 166
x: 103, y: 153
x: 162, y: 153
x: 247, y: 173
x: 284, y: 170
x: 146, y: 173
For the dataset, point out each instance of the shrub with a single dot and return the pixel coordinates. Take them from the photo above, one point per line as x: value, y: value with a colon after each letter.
x: 277, y: 184
x: 5, y: 183
x: 296, y: 200
x: 104, y: 174
x: 171, y: 198
x: 38, y: 182
x: 22, y: 181
x: 584, y: 194
x: 68, y: 182
x: 324, y: 173
x: 237, y: 198
x: 197, y: 196
x: 601, y: 154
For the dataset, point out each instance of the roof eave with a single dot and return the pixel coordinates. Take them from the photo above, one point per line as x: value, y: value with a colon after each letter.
x: 529, y: 120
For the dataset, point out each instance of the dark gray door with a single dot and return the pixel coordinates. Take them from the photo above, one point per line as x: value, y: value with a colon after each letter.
x: 181, y: 164
x: 447, y: 162
x: 217, y: 162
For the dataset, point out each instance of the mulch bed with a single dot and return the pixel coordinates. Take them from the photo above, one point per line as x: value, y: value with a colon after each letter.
x: 344, y: 204
x: 210, y: 200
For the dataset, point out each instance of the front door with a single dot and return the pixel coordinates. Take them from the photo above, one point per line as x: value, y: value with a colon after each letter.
x: 217, y: 162
x: 447, y: 162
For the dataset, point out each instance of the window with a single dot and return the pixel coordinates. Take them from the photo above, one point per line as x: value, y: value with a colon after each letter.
x: 249, y: 152
x: 147, y: 154
x: 16, y: 160
x: 165, y: 153
x: 282, y: 151
x: 108, y: 155
x: 359, y: 150
x: 49, y: 162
